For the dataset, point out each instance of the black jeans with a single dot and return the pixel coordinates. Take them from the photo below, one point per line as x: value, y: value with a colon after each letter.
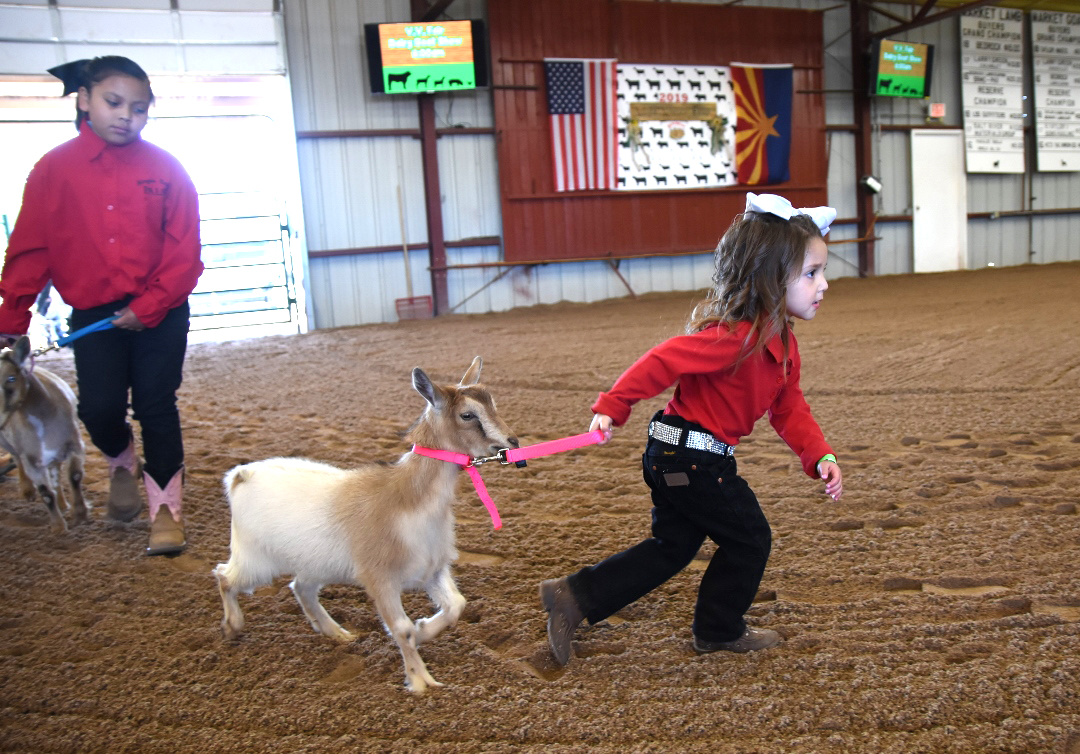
x: 149, y: 363
x: 695, y: 494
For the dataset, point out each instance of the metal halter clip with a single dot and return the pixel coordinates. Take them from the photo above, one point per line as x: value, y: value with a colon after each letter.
x: 45, y: 349
x: 500, y: 457
x: 488, y: 459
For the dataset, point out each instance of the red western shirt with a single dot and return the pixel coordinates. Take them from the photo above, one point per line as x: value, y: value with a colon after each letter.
x: 711, y: 392
x: 104, y: 223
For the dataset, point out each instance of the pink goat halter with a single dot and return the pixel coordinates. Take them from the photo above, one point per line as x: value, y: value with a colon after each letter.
x: 507, y: 456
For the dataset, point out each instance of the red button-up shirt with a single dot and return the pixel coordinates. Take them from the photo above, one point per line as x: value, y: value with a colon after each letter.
x: 103, y: 223
x: 725, y: 401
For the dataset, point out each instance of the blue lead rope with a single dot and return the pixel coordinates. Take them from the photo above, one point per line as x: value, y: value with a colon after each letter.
x: 104, y: 324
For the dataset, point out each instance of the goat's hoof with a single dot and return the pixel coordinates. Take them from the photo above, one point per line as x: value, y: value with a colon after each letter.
x: 420, y: 686
x: 229, y: 633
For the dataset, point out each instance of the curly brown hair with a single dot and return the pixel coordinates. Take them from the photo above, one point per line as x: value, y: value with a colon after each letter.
x: 759, y: 255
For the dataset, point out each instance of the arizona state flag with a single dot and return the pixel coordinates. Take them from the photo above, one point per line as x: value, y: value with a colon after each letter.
x: 763, y: 121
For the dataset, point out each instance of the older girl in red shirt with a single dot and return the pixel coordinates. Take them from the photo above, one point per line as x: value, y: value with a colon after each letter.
x: 739, y: 361
x: 113, y: 221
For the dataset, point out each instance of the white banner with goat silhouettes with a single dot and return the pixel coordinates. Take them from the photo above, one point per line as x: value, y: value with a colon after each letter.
x: 676, y: 127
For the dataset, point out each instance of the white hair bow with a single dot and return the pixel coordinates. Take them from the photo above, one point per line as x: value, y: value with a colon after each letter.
x: 777, y: 205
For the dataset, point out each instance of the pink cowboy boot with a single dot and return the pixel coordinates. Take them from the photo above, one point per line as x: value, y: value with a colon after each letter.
x: 124, y: 499
x: 166, y: 521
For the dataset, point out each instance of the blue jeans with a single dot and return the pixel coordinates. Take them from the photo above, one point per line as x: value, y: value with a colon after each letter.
x: 695, y: 494
x: 149, y: 364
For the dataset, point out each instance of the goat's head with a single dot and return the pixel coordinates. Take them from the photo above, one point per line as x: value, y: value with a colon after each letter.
x: 15, y: 369
x: 461, y: 417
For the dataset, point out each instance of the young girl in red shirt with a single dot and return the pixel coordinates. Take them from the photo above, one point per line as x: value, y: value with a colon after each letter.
x: 113, y: 221
x: 738, y: 361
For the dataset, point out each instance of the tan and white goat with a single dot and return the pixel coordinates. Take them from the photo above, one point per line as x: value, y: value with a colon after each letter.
x: 386, y: 527
x: 40, y: 428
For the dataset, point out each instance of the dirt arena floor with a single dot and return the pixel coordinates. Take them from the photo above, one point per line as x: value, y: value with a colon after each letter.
x: 935, y: 608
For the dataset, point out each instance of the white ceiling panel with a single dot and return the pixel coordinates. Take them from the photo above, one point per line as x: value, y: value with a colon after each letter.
x: 125, y: 4
x: 164, y: 58
x: 221, y: 26
x: 113, y: 25
x: 27, y: 58
x: 227, y: 5
x: 25, y: 22
x: 234, y: 59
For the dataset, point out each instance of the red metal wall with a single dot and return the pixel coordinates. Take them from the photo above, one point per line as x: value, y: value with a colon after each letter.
x: 542, y: 225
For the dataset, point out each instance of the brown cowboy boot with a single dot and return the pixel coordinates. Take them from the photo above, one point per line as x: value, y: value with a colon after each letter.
x: 752, y: 640
x: 564, y: 616
x: 124, y: 499
x: 166, y: 520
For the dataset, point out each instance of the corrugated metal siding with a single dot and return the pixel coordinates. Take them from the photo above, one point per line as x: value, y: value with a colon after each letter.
x: 1054, y: 237
x: 349, y: 183
x: 1001, y: 241
x: 470, y: 196
x: 353, y: 184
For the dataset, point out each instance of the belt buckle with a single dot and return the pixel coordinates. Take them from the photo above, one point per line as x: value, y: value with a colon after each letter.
x: 665, y: 433
x: 708, y: 442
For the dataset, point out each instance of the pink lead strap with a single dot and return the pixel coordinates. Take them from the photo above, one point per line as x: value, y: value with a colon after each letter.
x: 466, y: 463
x: 511, y: 455
x: 485, y: 498
x: 554, y: 446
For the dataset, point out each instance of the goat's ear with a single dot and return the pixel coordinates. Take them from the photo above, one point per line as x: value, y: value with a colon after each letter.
x: 472, y: 374
x: 21, y: 349
x: 423, y: 385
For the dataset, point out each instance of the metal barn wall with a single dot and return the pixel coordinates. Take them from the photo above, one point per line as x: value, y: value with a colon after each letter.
x: 840, y: 144
x: 1000, y: 241
x: 350, y: 183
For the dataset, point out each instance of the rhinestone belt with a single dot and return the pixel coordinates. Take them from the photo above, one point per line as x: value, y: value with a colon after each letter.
x: 694, y: 439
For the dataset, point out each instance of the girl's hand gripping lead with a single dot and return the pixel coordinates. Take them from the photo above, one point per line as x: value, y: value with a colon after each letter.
x: 834, y: 480
x: 126, y: 320
x: 601, y: 422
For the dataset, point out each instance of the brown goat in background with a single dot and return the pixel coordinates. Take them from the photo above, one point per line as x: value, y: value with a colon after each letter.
x: 40, y: 428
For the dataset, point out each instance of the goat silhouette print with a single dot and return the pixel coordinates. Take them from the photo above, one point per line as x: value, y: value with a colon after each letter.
x: 667, y: 148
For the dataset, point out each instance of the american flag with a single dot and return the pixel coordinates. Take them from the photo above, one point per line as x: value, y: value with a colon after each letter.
x: 584, y: 135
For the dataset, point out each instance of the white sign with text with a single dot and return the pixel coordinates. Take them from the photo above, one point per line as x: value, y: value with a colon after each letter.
x: 992, y: 66
x: 1055, y: 39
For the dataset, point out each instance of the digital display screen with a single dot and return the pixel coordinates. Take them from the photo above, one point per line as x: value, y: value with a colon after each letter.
x: 901, y: 69
x: 417, y: 58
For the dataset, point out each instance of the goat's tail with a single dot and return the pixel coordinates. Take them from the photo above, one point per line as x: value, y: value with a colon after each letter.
x: 235, y: 477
